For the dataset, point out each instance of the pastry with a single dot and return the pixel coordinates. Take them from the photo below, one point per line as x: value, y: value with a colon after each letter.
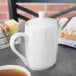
x: 69, y: 34
x: 8, y: 28
x: 5, y: 31
x: 13, y: 25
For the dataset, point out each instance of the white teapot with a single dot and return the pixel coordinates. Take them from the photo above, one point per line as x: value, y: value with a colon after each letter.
x: 42, y: 42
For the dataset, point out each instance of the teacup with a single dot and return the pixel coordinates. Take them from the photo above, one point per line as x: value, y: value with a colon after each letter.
x: 13, y: 70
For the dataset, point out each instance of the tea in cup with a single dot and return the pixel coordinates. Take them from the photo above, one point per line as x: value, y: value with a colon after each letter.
x: 13, y: 70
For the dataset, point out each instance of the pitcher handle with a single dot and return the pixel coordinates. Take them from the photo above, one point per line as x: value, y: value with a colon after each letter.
x: 12, y: 39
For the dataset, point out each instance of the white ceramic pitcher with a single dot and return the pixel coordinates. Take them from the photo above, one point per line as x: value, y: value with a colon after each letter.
x: 42, y: 44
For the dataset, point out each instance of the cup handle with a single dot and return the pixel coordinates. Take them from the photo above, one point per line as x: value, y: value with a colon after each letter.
x: 12, y: 39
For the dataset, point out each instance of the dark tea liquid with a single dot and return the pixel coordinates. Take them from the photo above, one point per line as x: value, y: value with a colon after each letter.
x: 12, y: 72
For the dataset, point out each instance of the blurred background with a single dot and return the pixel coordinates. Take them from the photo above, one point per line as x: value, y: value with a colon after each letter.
x: 50, y: 8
